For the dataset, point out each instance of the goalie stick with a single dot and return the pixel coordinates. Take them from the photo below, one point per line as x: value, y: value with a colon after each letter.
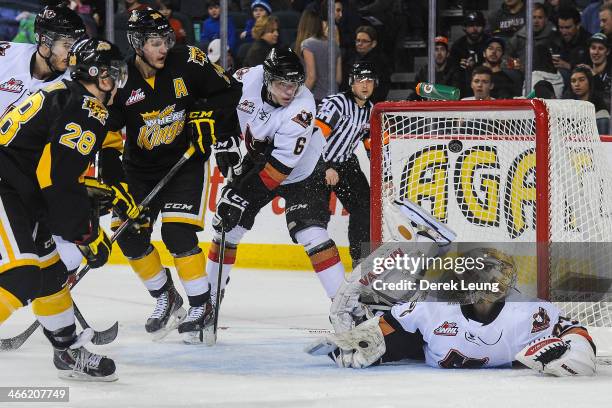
x: 16, y: 342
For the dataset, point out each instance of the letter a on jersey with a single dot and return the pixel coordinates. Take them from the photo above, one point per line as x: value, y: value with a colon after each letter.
x: 180, y: 89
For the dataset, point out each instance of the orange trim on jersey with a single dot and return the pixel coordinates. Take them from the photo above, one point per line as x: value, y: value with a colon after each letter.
x: 325, y: 259
x: 385, y: 327
x: 325, y: 129
x: 271, y: 177
x: 367, y: 143
x: 229, y: 256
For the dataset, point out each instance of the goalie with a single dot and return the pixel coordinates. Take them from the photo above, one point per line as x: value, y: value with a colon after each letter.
x: 487, y: 328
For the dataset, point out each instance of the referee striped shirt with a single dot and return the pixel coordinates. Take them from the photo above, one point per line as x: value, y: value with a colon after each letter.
x: 344, y: 124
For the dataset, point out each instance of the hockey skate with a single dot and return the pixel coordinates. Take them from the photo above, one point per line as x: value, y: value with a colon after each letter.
x: 198, y: 326
x: 79, y: 364
x: 167, y: 315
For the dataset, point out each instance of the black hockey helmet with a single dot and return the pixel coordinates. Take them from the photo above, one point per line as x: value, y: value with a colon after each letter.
x: 283, y: 65
x: 363, y: 70
x: 54, y: 22
x: 474, y: 18
x: 92, y: 58
x: 148, y: 23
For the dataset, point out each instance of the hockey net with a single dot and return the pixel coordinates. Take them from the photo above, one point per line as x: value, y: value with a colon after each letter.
x: 509, y: 171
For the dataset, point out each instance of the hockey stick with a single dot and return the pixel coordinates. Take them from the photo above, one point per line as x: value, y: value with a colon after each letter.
x: 100, y: 337
x: 16, y: 342
x: 219, y: 278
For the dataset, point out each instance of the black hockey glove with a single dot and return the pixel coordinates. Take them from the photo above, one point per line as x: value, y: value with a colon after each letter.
x: 117, y: 196
x: 202, y: 130
x: 95, y: 247
x: 229, y: 210
x: 227, y: 154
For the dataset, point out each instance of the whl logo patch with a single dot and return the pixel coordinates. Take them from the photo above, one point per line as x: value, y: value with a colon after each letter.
x: 447, y: 329
x: 136, y: 96
x: 12, y: 85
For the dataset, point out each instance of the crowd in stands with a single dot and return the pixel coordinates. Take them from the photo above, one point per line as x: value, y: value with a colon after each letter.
x: 571, y: 38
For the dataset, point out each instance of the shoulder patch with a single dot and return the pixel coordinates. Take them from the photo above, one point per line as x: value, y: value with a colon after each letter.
x: 12, y: 85
x: 95, y: 109
x: 541, y: 321
x: 4, y: 45
x: 303, y: 119
x: 197, y: 56
x: 238, y: 74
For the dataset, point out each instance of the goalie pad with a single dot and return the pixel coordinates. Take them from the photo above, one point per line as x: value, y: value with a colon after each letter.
x: 570, y: 355
x: 358, y: 348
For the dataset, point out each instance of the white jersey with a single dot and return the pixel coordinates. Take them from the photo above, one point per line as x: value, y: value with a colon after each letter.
x: 290, y: 129
x: 456, y: 341
x: 16, y: 81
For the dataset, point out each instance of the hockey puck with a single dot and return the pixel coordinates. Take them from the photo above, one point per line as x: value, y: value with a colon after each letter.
x: 455, y: 146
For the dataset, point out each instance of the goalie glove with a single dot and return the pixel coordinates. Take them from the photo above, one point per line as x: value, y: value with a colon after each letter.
x: 202, y: 130
x: 358, y: 348
x: 346, y: 308
x: 569, y: 355
x: 228, y: 155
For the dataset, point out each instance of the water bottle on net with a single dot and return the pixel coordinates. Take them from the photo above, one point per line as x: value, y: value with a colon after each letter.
x: 437, y: 91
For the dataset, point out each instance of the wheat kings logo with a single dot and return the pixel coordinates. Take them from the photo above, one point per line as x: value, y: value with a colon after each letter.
x: 95, y: 109
x: 161, y: 127
x: 197, y: 55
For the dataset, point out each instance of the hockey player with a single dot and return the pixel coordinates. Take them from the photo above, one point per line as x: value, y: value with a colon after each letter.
x: 276, y: 115
x: 46, y: 143
x: 344, y: 119
x: 25, y: 68
x: 165, y: 86
x: 489, y: 328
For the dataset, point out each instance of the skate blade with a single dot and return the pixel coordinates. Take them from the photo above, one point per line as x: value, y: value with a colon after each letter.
x: 175, y: 319
x: 75, y: 376
x: 206, y: 336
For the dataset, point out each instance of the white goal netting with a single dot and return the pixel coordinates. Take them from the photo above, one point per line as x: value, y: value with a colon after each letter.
x: 521, y: 171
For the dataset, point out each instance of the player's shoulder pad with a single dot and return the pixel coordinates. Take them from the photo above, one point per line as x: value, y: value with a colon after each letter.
x: 240, y: 74
x: 302, y: 110
x: 16, y: 50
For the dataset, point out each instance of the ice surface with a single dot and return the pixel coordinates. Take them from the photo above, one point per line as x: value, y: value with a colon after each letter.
x: 258, y: 360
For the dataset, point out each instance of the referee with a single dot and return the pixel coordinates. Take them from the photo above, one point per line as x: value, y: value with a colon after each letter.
x: 344, y: 119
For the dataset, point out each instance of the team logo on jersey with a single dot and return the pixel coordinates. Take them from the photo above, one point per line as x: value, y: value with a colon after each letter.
x: 263, y: 115
x: 161, y: 127
x: 238, y: 74
x: 303, y: 119
x: 541, y: 321
x: 136, y: 95
x: 246, y: 106
x: 95, y: 109
x: 197, y: 55
x: 447, y: 329
x: 3, y: 47
x: 409, y: 309
x: 12, y: 85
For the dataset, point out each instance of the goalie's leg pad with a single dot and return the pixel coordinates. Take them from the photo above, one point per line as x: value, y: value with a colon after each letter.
x: 149, y: 269
x: 324, y: 257
x: 191, y: 268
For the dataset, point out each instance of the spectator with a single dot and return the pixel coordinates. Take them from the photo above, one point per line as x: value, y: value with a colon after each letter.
x: 165, y: 9
x: 259, y: 8
x: 507, y: 83
x: 211, y: 26
x: 599, y: 66
x: 544, y: 89
x: 316, y: 62
x: 583, y: 88
x: 605, y: 17
x: 544, y: 38
x: 506, y: 21
x: 265, y: 33
x: 8, y: 23
x: 481, y: 84
x: 309, y: 26
x: 366, y: 49
x: 25, y: 33
x: 590, y: 16
x: 466, y: 52
x: 445, y: 71
x: 553, y: 7
x: 573, y: 40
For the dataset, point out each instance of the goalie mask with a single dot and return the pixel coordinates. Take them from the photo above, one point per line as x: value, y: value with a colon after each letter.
x: 283, y: 76
x: 57, y: 28
x: 491, y: 268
